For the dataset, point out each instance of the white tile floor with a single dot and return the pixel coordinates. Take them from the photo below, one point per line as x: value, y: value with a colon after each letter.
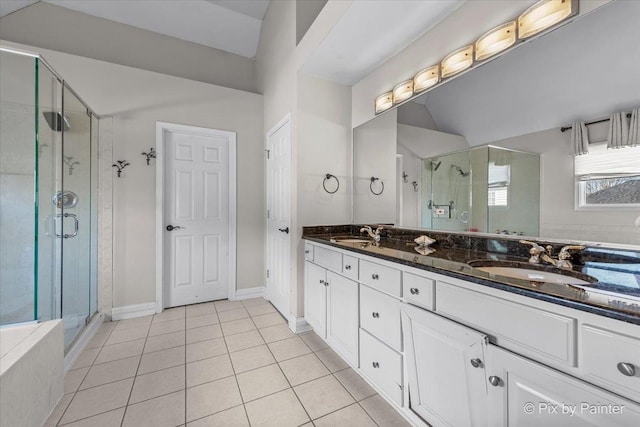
x: 215, y: 364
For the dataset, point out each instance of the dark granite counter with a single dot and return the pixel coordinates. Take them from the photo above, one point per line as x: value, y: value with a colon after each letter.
x: 615, y: 294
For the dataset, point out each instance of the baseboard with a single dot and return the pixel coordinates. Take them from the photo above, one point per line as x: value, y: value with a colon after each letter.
x: 298, y: 325
x: 135, y: 310
x: 86, y: 335
x: 248, y: 293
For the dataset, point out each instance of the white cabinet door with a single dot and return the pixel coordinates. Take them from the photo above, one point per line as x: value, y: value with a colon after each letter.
x: 342, y: 316
x: 315, y: 297
x: 446, y: 369
x: 524, y: 393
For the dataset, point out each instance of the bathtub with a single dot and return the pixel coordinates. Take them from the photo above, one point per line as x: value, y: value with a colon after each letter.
x: 31, y: 372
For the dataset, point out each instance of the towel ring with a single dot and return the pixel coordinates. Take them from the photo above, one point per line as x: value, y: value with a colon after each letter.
x: 324, y: 183
x: 374, y: 179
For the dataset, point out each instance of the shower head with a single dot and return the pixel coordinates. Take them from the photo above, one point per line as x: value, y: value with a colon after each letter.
x: 460, y: 171
x: 55, y: 120
x: 435, y: 165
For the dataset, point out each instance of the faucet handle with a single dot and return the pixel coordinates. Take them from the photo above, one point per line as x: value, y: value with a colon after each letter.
x: 564, y: 252
x: 534, y: 246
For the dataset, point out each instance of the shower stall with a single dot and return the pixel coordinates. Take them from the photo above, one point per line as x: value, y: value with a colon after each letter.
x: 48, y: 197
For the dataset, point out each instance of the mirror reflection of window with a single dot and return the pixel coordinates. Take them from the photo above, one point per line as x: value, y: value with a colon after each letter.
x: 608, y: 178
x: 499, y: 180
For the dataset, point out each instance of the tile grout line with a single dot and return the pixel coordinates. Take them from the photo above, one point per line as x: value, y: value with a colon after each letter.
x: 285, y: 376
x: 76, y: 391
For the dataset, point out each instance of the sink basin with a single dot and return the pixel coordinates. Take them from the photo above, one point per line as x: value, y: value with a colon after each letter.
x: 533, y: 272
x: 352, y: 240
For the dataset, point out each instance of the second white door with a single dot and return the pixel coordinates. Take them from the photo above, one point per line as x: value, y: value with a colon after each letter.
x: 197, y: 215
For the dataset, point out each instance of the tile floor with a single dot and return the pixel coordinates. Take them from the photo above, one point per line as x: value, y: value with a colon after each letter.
x: 228, y: 363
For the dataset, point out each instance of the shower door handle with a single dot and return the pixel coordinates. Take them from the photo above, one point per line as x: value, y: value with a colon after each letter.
x: 75, y: 225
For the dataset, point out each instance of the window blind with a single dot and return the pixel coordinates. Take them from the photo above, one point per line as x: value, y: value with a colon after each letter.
x: 601, y: 162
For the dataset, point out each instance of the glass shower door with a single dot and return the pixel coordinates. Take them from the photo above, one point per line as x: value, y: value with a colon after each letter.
x: 75, y: 215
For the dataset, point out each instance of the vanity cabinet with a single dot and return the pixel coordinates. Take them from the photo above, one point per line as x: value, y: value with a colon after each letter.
x: 445, y: 369
x: 452, y: 352
x: 526, y: 393
x: 331, y: 308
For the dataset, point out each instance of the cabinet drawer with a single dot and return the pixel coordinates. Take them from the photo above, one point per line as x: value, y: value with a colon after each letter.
x: 328, y: 258
x: 518, y: 327
x: 601, y: 352
x: 385, y: 279
x: 380, y: 316
x: 308, y: 251
x: 350, y: 267
x: 381, y: 365
x: 418, y: 290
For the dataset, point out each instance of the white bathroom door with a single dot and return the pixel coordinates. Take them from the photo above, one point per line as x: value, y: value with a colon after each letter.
x: 199, y: 212
x: 279, y: 231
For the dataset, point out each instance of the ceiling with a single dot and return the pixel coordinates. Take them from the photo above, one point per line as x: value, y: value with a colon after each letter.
x: 583, y: 71
x: 372, y: 31
x: 229, y: 25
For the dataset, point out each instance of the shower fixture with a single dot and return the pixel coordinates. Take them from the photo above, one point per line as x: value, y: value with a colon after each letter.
x: 405, y: 177
x: 55, y: 120
x: 460, y: 171
x: 435, y: 165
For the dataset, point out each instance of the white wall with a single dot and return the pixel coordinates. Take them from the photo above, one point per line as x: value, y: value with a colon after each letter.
x: 374, y: 154
x: 412, y: 166
x: 558, y: 217
x: 135, y: 99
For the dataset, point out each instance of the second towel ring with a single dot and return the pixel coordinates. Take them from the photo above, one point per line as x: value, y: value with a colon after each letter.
x: 374, y: 179
x: 324, y: 183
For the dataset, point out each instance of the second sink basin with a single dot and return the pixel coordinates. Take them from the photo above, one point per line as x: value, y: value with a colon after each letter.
x: 533, y: 272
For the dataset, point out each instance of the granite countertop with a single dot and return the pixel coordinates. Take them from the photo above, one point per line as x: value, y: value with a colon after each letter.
x: 616, y: 294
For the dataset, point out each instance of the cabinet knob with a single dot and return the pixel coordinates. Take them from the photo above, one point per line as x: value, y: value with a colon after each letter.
x: 476, y: 363
x: 374, y: 276
x: 375, y: 315
x: 347, y: 267
x: 306, y: 252
x: 326, y: 283
x: 495, y: 381
x: 627, y: 369
x: 376, y: 364
x: 414, y: 291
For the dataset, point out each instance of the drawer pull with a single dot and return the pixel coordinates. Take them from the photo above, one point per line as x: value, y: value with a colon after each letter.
x: 375, y: 276
x: 306, y: 252
x: 347, y: 267
x: 375, y: 315
x: 414, y: 291
x: 627, y: 369
x: 495, y: 381
x: 376, y: 364
x: 476, y: 363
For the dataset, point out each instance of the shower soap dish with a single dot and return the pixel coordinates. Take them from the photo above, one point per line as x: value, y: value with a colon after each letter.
x: 424, y: 241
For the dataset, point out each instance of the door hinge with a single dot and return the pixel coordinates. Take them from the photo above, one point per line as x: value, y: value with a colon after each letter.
x: 267, y: 274
x: 268, y: 153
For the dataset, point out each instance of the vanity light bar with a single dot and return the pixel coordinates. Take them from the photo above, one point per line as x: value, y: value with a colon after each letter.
x: 543, y: 15
x: 426, y: 78
x: 495, y: 41
x: 457, y: 61
x: 539, y: 17
x: 403, y: 91
x: 384, y: 102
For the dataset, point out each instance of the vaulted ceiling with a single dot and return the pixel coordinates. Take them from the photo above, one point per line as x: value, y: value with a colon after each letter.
x: 229, y: 25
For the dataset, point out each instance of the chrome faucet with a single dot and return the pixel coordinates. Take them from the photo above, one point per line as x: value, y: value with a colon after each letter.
x: 536, y: 251
x: 375, y: 235
x: 539, y: 253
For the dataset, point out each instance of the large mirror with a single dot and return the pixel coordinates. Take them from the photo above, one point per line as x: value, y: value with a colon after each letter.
x: 484, y: 152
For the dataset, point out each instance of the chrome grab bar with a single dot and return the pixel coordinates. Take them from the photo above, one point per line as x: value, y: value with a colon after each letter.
x: 76, y: 225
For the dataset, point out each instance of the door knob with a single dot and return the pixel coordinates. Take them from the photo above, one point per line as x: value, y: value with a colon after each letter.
x: 173, y: 227
x: 627, y: 369
x: 284, y: 230
x: 376, y: 364
x: 495, y: 381
x: 375, y: 315
x: 375, y: 276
